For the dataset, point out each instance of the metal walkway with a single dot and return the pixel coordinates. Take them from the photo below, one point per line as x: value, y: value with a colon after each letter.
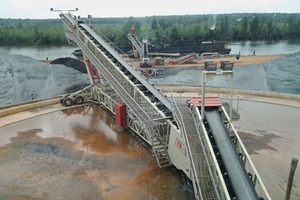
x: 204, y: 185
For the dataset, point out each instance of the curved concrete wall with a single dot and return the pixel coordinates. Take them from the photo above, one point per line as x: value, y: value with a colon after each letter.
x: 13, y: 109
x: 248, y: 95
x: 182, y: 89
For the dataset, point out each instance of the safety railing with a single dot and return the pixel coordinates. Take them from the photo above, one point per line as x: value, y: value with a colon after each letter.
x: 235, y: 100
x: 178, y: 118
x: 214, y: 168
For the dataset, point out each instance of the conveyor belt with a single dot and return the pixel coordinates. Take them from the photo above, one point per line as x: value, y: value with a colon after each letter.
x: 238, y: 176
x: 143, y: 81
x: 137, y: 42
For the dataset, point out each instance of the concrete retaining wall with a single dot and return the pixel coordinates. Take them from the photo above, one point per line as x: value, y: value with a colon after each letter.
x: 183, y: 89
x: 13, y: 109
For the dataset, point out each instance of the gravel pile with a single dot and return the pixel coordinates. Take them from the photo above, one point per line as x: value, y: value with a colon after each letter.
x: 23, y: 79
x: 283, y: 75
x: 71, y: 62
x: 279, y: 75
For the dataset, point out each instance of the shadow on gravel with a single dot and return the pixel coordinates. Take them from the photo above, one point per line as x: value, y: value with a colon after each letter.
x: 71, y: 62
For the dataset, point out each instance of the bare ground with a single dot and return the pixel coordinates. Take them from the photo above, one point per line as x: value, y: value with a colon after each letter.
x: 244, y: 60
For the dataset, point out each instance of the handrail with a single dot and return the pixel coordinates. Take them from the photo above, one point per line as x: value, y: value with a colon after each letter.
x: 194, y: 173
x: 235, y: 96
x: 213, y: 163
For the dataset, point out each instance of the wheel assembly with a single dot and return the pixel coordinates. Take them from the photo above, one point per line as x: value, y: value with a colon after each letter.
x: 79, y: 100
x: 67, y: 102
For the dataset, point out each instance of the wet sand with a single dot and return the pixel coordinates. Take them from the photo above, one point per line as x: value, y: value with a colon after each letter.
x: 249, y: 60
x: 78, y: 154
x: 244, y: 60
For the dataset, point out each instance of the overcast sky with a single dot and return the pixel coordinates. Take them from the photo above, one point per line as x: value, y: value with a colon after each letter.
x: 40, y: 9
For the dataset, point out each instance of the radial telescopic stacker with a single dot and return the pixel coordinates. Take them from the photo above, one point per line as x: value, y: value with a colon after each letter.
x: 204, y: 145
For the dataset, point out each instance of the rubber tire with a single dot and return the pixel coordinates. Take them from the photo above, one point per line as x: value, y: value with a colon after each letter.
x: 79, y: 100
x: 67, y: 102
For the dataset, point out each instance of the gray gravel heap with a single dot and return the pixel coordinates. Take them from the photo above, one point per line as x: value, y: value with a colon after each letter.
x: 23, y: 79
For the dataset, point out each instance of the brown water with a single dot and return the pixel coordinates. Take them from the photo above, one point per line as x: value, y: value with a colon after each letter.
x: 78, y: 154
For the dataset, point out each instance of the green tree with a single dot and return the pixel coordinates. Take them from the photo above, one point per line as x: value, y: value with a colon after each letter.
x: 254, y: 28
x: 154, y: 24
x: 239, y: 26
x: 162, y: 23
x: 244, y: 30
x: 292, y: 26
x: 223, y: 27
x: 174, y: 34
x: 131, y: 22
x: 158, y: 36
x: 270, y: 30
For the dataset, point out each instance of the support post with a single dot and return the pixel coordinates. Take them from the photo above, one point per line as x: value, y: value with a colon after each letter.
x: 231, y: 97
x: 291, y: 177
x: 87, y: 63
x: 203, y: 95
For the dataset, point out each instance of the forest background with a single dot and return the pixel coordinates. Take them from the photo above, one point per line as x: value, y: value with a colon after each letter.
x: 160, y: 29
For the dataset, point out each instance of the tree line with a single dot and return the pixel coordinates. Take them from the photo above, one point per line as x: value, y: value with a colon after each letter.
x: 160, y: 29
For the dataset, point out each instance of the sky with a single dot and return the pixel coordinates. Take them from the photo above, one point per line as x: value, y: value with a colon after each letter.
x: 40, y: 9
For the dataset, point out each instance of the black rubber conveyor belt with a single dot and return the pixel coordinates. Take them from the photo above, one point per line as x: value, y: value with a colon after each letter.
x: 237, y: 174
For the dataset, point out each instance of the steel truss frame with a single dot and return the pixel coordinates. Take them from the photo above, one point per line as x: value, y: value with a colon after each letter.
x: 143, y: 107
